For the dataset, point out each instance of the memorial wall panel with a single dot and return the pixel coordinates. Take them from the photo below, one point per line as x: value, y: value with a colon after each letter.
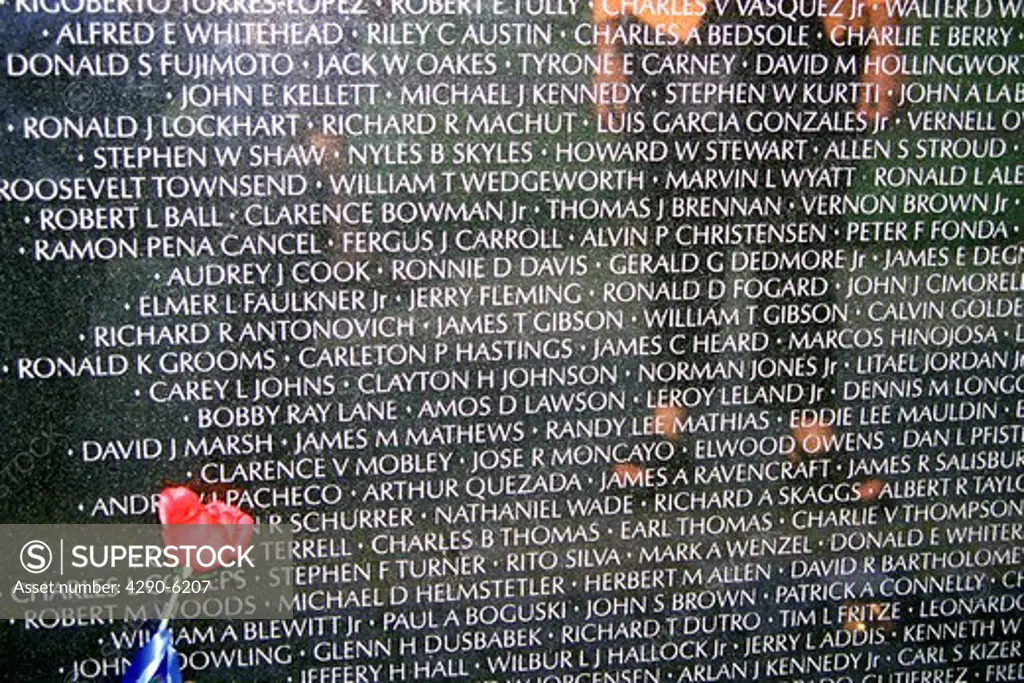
x: 512, y: 340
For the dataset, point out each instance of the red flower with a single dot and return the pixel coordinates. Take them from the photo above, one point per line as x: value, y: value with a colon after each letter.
x: 226, y: 531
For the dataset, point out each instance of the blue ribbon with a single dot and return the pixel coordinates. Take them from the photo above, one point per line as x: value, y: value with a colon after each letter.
x: 157, y: 661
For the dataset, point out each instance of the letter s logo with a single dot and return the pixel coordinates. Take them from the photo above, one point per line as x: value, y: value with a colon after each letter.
x: 36, y: 557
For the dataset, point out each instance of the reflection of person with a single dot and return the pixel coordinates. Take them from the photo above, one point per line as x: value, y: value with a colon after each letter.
x: 677, y: 21
x: 668, y: 29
